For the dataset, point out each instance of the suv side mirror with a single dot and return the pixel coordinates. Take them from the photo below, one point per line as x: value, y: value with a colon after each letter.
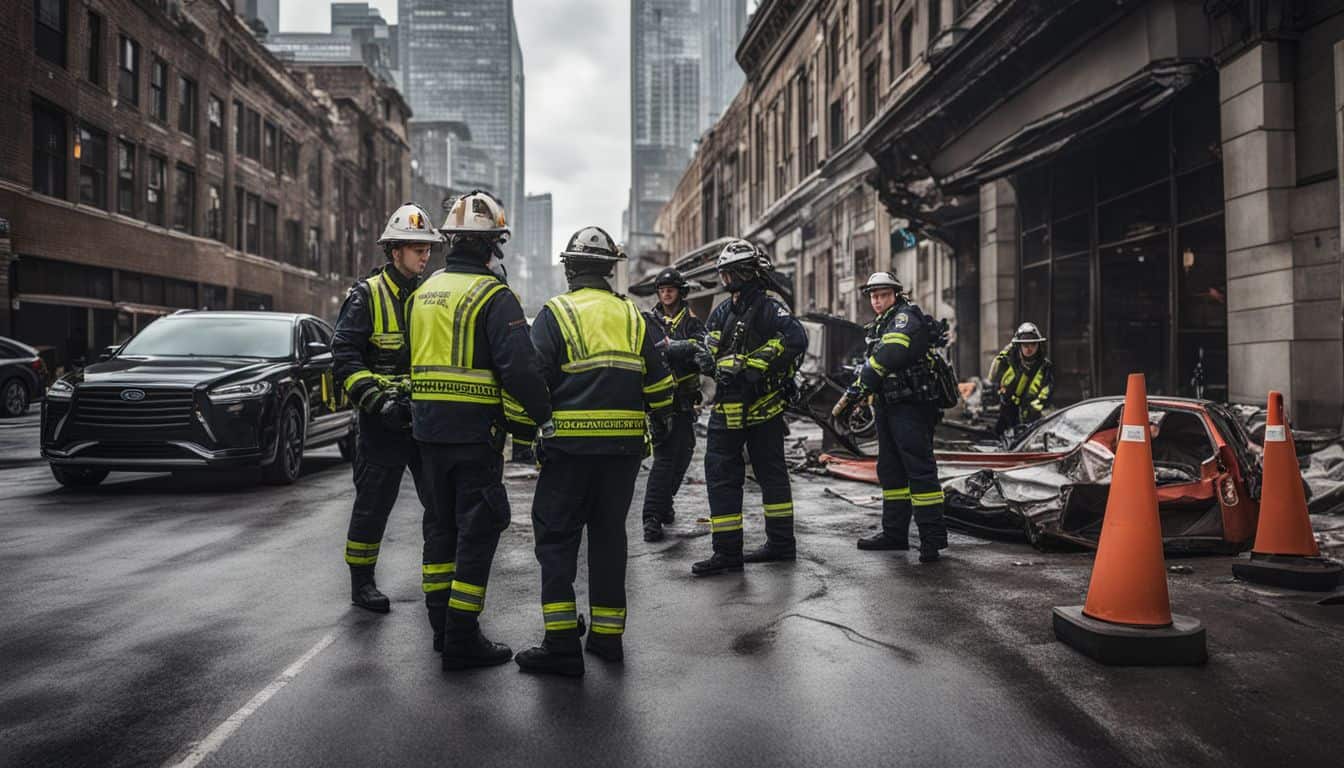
x: 109, y: 352
x: 316, y: 348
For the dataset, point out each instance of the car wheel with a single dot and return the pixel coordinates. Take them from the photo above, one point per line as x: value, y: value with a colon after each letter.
x: 288, y: 448
x: 78, y: 477
x: 13, y: 399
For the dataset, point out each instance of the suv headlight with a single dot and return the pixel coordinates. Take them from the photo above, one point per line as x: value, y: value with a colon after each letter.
x: 60, y: 389
x: 239, y: 391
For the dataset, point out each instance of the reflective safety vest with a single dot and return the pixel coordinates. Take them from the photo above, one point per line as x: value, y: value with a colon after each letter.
x: 443, y: 340
x: 602, y: 392
x: 1024, y: 387
x: 386, y: 357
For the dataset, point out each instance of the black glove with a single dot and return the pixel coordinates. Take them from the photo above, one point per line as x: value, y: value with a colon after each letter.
x: 395, y: 413
x: 374, y: 405
x: 752, y: 382
x: 705, y: 361
x: 939, y: 334
x: 545, y: 431
x: 659, y: 428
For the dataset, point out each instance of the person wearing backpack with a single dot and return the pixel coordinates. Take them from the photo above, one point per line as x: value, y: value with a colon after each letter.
x: 903, y: 383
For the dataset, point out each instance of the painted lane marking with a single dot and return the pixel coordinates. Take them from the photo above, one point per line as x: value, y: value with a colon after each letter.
x: 211, y: 744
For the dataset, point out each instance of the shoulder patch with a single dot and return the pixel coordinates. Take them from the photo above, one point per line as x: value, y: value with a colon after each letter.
x: 901, y: 320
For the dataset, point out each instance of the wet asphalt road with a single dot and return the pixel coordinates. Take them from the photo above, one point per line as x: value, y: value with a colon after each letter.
x: 139, y: 617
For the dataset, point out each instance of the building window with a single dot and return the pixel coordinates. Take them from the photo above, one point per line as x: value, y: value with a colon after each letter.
x: 186, y: 105
x: 253, y: 135
x: 294, y: 242
x: 49, y: 30
x: 92, y: 167
x: 252, y: 214
x: 154, y: 182
x: 833, y: 53
x: 214, y: 115
x: 907, y: 41
x: 837, y: 124
x: 128, y: 71
x: 158, y: 90
x: 870, y: 18
x: 935, y: 20
x: 49, y: 140
x: 314, y: 248
x: 239, y: 230
x: 184, y: 199
x: 214, y: 297
x: 239, y: 128
x: 871, y: 93
x: 125, y: 178
x: 315, y: 174
x: 269, y: 148
x: 290, y: 156
x: 95, y: 50
x: 270, y: 216
x: 214, y: 213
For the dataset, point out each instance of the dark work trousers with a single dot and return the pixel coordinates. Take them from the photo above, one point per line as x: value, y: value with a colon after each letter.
x: 671, y: 459
x: 466, y: 484
x: 726, y: 471
x: 909, y: 474
x: 573, y: 492
x: 381, y: 458
x: 1012, y: 415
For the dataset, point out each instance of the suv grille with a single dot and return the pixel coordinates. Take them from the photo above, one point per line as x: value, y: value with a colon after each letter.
x: 104, y: 407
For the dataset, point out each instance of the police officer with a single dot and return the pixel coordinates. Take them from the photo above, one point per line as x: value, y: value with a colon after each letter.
x: 372, y: 360
x: 673, y: 456
x: 469, y: 344
x: 604, y: 370
x: 757, y: 344
x: 1024, y: 377
x: 894, y: 375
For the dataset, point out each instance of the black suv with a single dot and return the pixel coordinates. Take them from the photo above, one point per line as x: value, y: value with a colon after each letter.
x: 200, y: 390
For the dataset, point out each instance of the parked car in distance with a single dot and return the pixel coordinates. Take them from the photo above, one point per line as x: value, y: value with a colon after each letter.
x: 23, y: 377
x: 197, y: 390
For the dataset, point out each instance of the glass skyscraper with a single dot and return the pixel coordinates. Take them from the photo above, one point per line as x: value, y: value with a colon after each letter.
x: 723, y: 22
x: 461, y: 62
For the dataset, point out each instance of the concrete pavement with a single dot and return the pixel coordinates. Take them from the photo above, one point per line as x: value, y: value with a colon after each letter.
x: 142, y: 616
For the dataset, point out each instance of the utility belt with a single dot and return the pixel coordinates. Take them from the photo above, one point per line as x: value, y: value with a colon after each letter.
x: 913, y: 384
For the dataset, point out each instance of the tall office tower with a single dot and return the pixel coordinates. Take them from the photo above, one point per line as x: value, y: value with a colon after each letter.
x: 537, y: 253
x: 722, y: 24
x: 462, y: 62
x: 267, y: 11
x: 358, y: 33
x: 665, y: 108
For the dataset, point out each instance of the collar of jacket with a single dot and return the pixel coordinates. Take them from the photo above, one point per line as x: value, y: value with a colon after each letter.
x: 589, y: 281
x: 468, y: 267
x: 748, y: 294
x: 674, y: 317
x: 403, y: 284
x: 886, y: 315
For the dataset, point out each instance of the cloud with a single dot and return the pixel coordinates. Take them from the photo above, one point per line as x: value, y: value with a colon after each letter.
x: 576, y: 64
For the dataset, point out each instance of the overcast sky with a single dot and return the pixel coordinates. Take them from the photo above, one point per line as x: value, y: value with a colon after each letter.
x: 576, y: 60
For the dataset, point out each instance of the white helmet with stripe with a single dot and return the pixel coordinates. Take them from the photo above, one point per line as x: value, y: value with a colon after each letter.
x: 409, y: 224
x: 477, y: 213
x: 882, y: 280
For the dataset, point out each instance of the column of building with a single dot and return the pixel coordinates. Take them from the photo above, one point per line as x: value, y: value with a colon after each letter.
x: 998, y: 268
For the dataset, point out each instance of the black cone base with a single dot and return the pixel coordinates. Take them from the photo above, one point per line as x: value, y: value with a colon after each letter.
x: 1313, y: 574
x: 1181, y: 644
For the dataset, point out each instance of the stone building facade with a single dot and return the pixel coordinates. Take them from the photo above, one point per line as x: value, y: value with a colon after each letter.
x: 159, y: 157
x: 1156, y: 184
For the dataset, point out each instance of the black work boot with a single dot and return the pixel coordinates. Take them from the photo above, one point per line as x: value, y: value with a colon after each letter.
x: 653, y: 530
x: 929, y: 555
x: 717, y: 563
x: 472, y: 649
x: 669, y: 517
x: 932, y: 537
x: 364, y: 592
x: 555, y: 656
x: 438, y: 614
x: 768, y: 553
x: 881, y: 541
x: 605, y: 647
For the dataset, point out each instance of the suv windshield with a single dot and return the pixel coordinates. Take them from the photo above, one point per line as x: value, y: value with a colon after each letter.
x: 206, y: 336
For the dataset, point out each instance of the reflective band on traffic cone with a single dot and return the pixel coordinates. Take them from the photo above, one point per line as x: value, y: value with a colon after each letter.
x: 1127, y: 616
x: 1285, y: 552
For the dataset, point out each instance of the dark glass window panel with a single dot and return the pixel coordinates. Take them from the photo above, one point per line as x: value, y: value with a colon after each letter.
x: 1135, y: 314
x: 214, y: 213
x: 128, y: 71
x: 1035, y: 298
x: 1202, y: 275
x: 1034, y: 250
x: 239, y: 128
x: 92, y: 167
x: 1070, y: 345
x: 95, y: 50
x: 1141, y: 161
x: 1071, y: 185
x: 186, y: 105
x: 184, y: 199
x: 1033, y: 197
x: 49, y: 151
x: 1195, y: 125
x: 126, y: 178
x: 215, y: 117
x: 269, y: 224
x: 1202, y: 364
x: 154, y: 190
x: 1138, y: 214
x: 1199, y: 193
x: 253, y: 221
x: 49, y: 27
x: 1072, y: 235
x: 158, y: 90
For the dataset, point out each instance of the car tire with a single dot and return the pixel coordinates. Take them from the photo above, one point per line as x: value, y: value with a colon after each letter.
x: 13, y: 399
x: 78, y: 477
x: 284, y: 470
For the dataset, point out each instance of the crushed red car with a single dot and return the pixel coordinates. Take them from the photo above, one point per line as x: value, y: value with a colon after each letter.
x: 1051, y: 483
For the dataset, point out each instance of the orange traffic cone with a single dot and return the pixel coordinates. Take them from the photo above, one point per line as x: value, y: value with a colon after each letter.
x: 1127, y: 616
x: 1285, y: 552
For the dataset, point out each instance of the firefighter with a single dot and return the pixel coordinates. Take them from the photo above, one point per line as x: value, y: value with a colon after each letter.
x: 896, y: 376
x: 469, y: 346
x: 1024, y: 377
x: 757, y: 344
x: 372, y: 360
x: 604, y: 371
x: 672, y: 458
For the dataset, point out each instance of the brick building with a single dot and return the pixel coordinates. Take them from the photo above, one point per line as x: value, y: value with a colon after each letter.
x: 159, y: 157
x: 1156, y: 183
